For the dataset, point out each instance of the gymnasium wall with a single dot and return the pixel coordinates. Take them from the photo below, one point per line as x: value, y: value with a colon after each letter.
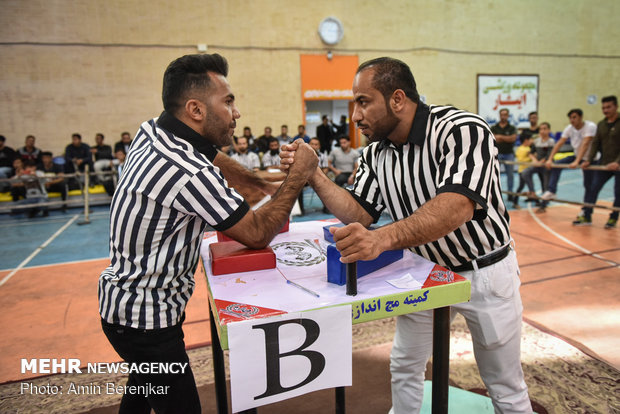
x: 96, y: 66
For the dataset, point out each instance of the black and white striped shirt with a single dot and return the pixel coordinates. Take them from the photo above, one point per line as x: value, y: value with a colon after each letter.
x: 447, y: 150
x: 168, y: 193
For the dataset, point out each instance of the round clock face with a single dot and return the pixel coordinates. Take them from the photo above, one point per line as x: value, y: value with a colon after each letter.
x: 331, y: 30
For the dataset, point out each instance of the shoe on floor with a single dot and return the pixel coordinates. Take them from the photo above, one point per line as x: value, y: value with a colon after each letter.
x: 582, y: 221
x: 611, y: 223
x: 548, y: 195
x: 516, y: 207
x: 541, y: 210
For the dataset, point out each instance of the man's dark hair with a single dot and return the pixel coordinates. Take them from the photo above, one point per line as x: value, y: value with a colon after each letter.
x: 610, y: 98
x: 532, y: 113
x: 76, y: 135
x: 575, y: 111
x: 344, y: 137
x: 272, y: 139
x: 2, y: 138
x: 546, y: 123
x: 46, y: 154
x: 99, y: 134
x: 391, y: 74
x: 188, y: 73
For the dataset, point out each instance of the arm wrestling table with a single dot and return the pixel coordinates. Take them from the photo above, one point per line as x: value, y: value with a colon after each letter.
x: 301, y: 257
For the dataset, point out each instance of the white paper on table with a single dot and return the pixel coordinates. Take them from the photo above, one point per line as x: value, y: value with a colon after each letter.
x: 405, y: 282
x: 248, y: 355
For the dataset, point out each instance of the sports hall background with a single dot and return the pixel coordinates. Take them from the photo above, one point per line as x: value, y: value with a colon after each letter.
x: 92, y: 66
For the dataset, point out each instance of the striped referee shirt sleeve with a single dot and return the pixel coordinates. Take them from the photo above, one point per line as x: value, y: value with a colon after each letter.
x: 466, y: 154
x: 208, y: 196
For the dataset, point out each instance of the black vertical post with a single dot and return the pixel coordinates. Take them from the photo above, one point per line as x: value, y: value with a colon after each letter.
x: 340, y: 405
x: 219, y: 372
x: 352, y: 279
x: 441, y: 360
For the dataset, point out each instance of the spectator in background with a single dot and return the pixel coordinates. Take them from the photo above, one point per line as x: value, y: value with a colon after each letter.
x: 325, y: 134
x: 124, y: 143
x: 301, y: 133
x: 54, y: 176
x: 262, y: 142
x: 323, y: 161
x: 247, y: 133
x: 30, y: 187
x: 284, y: 137
x: 103, y: 156
x: 579, y: 133
x: 607, y: 141
x: 77, y: 155
x: 244, y: 157
x: 342, y: 128
x: 7, y: 155
x: 343, y: 162
x: 505, y: 137
x: 543, y: 144
x: 524, y: 154
x: 29, y: 151
x: 533, y: 129
x: 116, y: 165
x: 271, y: 158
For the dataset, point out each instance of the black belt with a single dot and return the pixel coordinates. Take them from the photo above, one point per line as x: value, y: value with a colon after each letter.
x: 485, y: 261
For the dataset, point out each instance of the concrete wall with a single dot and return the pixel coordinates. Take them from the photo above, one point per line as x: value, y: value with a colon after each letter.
x: 96, y: 66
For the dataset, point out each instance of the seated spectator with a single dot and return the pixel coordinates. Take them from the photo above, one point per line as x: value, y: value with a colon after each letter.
x: 116, y: 165
x: 77, y: 154
x: 272, y: 157
x: 53, y: 174
x: 301, y: 133
x: 124, y: 143
x: 7, y: 156
x: 103, y: 156
x: 29, y: 186
x: 323, y: 162
x: 29, y: 151
x: 343, y: 162
x: 284, y: 137
x: 323, y: 165
x: 244, y: 157
x: 543, y: 144
x: 247, y: 133
x: 262, y: 142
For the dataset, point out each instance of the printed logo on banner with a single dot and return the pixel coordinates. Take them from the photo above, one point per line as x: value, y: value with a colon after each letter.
x: 293, y: 253
x: 280, y: 357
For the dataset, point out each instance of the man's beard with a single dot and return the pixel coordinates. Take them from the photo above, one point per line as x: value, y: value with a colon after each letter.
x: 217, y: 131
x: 383, y: 128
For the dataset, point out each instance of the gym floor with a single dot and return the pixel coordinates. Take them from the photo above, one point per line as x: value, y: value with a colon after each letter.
x: 50, y: 268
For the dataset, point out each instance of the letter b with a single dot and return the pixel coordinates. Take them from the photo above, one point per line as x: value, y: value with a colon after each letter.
x: 273, y: 356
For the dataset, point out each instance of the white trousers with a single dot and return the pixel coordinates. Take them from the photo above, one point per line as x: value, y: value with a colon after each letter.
x: 494, y: 319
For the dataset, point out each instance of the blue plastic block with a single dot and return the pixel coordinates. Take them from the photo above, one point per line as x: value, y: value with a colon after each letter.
x: 327, y: 235
x: 337, y: 271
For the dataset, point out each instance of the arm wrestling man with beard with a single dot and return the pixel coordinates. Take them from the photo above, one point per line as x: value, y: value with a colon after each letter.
x: 173, y: 185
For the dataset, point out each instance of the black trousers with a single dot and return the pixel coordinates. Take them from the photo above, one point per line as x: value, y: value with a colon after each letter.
x: 157, y: 345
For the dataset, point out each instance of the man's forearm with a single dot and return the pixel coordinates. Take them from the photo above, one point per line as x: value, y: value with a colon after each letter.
x: 435, y: 219
x: 339, y: 201
x: 237, y: 174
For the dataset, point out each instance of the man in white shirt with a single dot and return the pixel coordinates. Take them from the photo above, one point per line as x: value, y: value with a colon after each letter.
x: 244, y: 157
x: 579, y: 134
x: 271, y: 158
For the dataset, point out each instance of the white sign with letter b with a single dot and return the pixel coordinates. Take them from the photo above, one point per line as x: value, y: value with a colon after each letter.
x: 280, y: 357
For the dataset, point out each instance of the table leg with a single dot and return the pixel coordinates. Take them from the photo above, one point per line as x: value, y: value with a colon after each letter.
x: 219, y: 372
x: 340, y: 405
x: 441, y: 360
